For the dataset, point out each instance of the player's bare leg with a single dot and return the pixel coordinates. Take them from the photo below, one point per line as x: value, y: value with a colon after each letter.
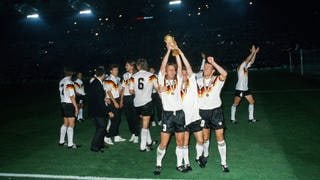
x: 251, y: 108
x: 236, y: 101
x: 222, y: 147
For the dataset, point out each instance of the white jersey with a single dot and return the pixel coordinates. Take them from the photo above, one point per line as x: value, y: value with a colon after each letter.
x: 242, y: 83
x: 209, y: 92
x: 189, y: 95
x: 112, y: 83
x: 171, y: 98
x: 78, y: 84
x: 66, y: 88
x: 142, y: 83
x: 126, y: 83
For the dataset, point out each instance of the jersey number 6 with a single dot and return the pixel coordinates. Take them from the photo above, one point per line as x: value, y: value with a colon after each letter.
x: 140, y: 83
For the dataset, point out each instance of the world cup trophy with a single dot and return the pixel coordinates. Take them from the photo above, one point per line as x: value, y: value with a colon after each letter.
x: 169, y: 40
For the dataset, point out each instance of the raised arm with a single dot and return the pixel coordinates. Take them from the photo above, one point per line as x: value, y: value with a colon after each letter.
x: 186, y: 63
x: 223, y: 73
x: 252, y: 53
x: 254, y: 56
x: 179, y: 64
x: 165, y: 61
x: 203, y: 56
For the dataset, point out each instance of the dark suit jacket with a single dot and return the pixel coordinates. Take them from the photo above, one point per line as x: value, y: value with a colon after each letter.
x: 96, y: 103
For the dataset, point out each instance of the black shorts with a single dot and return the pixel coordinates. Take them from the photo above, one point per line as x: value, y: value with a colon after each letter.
x: 242, y: 93
x: 80, y: 99
x: 173, y: 121
x: 67, y: 110
x: 195, y: 126
x: 213, y: 118
x: 145, y: 110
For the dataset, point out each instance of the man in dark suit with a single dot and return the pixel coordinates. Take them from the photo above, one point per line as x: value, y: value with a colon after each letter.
x: 98, y: 109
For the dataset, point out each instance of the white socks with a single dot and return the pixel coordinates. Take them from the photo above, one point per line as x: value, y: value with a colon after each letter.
x: 222, y: 147
x: 251, y: 109
x: 160, y: 155
x: 70, y: 136
x: 108, y: 125
x: 149, y: 140
x: 234, y: 109
x: 233, y: 112
x: 144, y: 136
x: 206, y: 148
x: 199, y: 149
x: 80, y: 114
x: 179, y: 153
x: 186, y: 155
x: 63, y: 131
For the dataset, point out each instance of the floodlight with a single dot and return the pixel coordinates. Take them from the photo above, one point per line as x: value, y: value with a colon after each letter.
x: 87, y: 11
x: 174, y: 2
x: 33, y: 16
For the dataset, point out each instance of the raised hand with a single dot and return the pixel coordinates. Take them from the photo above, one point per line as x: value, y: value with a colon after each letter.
x: 257, y: 50
x: 253, y: 49
x: 210, y: 59
x: 203, y: 55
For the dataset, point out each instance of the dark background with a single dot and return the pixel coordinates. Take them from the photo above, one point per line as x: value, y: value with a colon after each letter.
x: 38, y: 49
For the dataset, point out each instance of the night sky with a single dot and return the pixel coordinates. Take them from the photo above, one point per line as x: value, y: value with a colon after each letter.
x: 115, y: 31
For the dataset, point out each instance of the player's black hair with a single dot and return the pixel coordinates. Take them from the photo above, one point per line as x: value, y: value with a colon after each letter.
x: 113, y: 66
x: 99, y: 71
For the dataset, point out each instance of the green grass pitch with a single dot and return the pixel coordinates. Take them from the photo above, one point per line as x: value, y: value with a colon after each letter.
x: 284, y: 144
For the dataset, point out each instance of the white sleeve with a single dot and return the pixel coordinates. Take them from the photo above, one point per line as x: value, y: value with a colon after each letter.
x: 70, y: 90
x: 106, y: 86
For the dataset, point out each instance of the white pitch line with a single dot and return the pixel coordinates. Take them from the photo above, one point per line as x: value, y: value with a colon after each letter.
x: 279, y: 91
x: 48, y: 176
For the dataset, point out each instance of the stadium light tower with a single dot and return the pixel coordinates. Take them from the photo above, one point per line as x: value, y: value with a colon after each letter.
x: 27, y: 11
x: 174, y: 2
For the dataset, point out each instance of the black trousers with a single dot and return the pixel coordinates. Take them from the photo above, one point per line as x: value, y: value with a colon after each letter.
x: 156, y: 100
x: 97, y: 141
x: 115, y: 122
x: 131, y: 114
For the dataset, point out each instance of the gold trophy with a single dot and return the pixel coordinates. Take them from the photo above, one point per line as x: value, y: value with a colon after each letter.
x: 169, y: 40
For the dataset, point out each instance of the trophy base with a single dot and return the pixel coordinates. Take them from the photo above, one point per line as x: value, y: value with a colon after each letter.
x: 175, y: 52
